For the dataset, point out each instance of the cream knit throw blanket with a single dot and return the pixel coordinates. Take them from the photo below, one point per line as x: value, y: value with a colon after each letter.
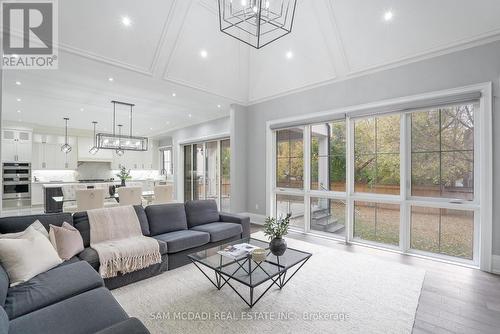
x: 116, y: 235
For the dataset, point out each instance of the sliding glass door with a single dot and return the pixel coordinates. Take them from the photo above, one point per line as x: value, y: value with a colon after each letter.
x: 402, y: 180
x: 225, y: 175
x: 206, y: 172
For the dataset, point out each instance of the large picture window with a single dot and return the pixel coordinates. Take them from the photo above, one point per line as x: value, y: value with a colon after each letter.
x: 442, y: 152
x: 291, y: 204
x: 290, y: 158
x: 404, y: 180
x: 328, y: 215
x: 328, y: 156
x: 377, y: 222
x: 444, y: 231
x: 376, y: 154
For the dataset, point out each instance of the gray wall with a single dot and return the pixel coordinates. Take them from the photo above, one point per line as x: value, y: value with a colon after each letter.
x: 238, y: 158
x: 476, y: 65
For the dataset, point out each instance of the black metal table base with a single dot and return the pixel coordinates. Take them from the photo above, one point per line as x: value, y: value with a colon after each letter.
x: 280, y: 279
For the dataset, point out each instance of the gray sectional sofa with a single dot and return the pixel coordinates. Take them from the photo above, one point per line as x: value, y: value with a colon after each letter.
x: 73, y: 298
x: 180, y: 229
x: 70, y: 298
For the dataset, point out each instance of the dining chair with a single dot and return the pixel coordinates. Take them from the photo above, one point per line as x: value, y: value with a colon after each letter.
x: 130, y: 195
x: 108, y: 201
x: 89, y: 199
x: 69, y: 196
x: 163, y: 194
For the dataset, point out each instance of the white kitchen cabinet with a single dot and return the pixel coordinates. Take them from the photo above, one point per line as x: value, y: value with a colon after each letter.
x: 16, y: 145
x: 84, y: 146
x: 36, y: 194
x: 47, y: 153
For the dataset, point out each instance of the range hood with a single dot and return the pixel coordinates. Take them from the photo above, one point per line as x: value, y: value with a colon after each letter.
x: 85, y: 144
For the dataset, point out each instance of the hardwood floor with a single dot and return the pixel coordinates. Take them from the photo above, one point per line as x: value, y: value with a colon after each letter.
x: 454, y: 299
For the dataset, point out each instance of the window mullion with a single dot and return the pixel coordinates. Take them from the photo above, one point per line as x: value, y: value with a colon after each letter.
x: 404, y: 172
x: 307, y: 177
x: 350, y: 178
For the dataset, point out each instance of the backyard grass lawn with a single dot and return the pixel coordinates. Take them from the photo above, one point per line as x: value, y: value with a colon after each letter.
x: 452, y: 236
x: 448, y: 232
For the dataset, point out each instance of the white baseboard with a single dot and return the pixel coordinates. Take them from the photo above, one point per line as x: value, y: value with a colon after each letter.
x: 495, y: 264
x: 255, y: 218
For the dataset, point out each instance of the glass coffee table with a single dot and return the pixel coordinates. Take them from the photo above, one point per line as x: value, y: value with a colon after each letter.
x: 274, y: 270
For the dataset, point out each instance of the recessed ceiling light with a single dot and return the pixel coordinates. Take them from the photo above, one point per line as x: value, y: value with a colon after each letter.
x: 150, y: 128
x: 18, y: 83
x: 190, y: 115
x: 18, y: 100
x: 19, y: 111
x: 289, y: 55
x: 219, y: 106
x: 126, y: 21
x: 174, y: 95
x: 388, y: 15
x: 110, y: 79
x: 203, y: 53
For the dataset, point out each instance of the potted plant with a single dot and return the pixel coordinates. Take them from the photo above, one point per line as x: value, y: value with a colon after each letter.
x: 275, y: 229
x: 124, y: 175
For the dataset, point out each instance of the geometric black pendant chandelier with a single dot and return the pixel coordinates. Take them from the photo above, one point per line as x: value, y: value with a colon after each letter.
x: 121, y: 142
x: 256, y: 22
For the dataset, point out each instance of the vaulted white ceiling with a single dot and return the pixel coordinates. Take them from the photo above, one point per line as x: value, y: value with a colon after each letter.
x: 159, y: 54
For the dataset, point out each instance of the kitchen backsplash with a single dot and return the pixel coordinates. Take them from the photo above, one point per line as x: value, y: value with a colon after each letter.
x: 54, y: 175
x: 94, y: 170
x: 91, y: 170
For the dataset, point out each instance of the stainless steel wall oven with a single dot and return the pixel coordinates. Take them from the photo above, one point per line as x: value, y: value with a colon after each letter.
x: 16, y: 185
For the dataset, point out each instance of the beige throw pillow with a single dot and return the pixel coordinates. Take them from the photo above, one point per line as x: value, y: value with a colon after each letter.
x: 37, y: 225
x: 66, y: 240
x: 26, y: 256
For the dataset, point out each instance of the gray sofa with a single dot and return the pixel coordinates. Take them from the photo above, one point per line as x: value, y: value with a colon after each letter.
x: 70, y: 298
x: 180, y: 229
x: 73, y: 298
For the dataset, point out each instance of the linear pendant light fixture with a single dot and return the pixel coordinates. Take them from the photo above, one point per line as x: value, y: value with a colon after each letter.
x: 94, y: 149
x: 120, y: 142
x: 256, y: 22
x: 66, y: 148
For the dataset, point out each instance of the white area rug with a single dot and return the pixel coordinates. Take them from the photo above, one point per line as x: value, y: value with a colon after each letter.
x: 335, y: 292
